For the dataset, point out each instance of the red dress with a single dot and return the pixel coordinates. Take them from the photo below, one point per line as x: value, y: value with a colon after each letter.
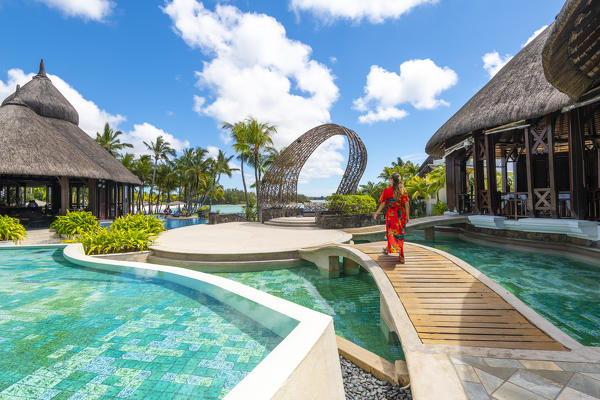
x: 395, y: 220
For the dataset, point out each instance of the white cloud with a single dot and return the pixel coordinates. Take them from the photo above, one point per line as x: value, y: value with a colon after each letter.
x: 91, y: 117
x: 493, y: 62
x: 327, y: 161
x: 96, y: 10
x: 254, y: 70
x: 147, y: 133
x: 534, y: 35
x: 419, y: 83
x: 375, y: 11
x: 213, y: 152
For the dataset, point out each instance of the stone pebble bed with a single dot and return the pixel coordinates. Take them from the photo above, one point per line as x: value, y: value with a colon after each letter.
x: 359, y: 384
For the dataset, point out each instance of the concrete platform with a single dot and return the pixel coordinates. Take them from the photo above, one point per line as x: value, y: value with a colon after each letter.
x: 293, y: 222
x: 238, y: 246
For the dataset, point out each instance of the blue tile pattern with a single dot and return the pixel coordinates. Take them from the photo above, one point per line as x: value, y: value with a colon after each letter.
x: 74, y: 333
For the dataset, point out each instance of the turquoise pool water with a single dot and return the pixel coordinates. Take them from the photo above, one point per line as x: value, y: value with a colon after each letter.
x: 180, y: 223
x: 73, y: 333
x: 564, y: 290
x: 352, y: 301
x: 228, y: 208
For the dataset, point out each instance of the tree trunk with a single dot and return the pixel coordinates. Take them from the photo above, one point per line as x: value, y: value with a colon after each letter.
x: 244, y: 181
x: 257, y: 183
x: 152, y: 186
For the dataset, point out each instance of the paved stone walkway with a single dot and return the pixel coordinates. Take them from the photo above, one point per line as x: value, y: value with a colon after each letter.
x: 503, y: 379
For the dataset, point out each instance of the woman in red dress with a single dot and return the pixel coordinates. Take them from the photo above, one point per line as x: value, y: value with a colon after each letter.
x: 397, y: 215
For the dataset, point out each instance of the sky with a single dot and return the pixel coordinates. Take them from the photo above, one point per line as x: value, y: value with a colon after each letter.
x: 391, y: 70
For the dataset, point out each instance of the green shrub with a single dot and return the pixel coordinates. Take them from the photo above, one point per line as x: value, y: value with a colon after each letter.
x: 138, y: 222
x: 11, y: 229
x: 115, y: 241
x: 440, y: 208
x: 250, y: 212
x: 75, y: 223
x: 351, y: 204
x: 127, y: 234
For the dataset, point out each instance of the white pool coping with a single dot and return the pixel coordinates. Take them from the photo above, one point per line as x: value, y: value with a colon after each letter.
x: 305, y: 365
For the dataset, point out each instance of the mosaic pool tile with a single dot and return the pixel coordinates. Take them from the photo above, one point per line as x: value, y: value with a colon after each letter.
x: 74, y: 333
x: 352, y: 301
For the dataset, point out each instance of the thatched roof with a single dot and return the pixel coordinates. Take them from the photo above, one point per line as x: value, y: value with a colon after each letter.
x: 571, y: 54
x: 518, y: 91
x: 427, y: 166
x: 39, y: 136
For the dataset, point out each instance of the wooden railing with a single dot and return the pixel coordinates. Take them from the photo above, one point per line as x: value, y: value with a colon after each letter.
x: 514, y: 205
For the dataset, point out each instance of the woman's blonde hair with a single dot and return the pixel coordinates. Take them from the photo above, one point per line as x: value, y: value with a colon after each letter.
x: 397, y: 185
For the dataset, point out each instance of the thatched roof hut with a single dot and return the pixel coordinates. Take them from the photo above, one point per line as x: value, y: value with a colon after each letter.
x: 518, y: 91
x: 572, y: 52
x: 39, y: 136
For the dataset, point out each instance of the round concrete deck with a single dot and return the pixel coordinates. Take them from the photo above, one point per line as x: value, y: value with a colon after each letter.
x: 238, y: 245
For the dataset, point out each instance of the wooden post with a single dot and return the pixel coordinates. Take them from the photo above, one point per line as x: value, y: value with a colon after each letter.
x: 490, y: 158
x: 551, y: 172
x: 504, y: 170
x: 576, y: 176
x: 478, y: 183
x: 451, y: 189
x: 92, y: 203
x: 528, y: 150
x: 65, y: 193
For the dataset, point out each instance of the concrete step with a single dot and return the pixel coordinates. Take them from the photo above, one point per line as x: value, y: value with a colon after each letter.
x: 299, y: 224
x: 166, y: 254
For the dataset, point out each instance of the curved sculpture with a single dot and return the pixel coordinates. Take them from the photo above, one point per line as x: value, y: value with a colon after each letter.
x: 280, y: 183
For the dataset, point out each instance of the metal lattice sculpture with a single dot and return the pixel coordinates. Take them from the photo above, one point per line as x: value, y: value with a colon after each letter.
x: 280, y: 183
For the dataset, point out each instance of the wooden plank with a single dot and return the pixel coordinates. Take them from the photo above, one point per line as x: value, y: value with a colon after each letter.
x: 508, y: 319
x: 507, y: 332
x: 503, y: 345
x: 463, y: 306
x: 462, y: 312
x: 462, y: 324
x: 447, y: 295
x: 475, y: 337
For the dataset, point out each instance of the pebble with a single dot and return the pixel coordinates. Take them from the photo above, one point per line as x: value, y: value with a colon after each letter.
x: 359, y: 385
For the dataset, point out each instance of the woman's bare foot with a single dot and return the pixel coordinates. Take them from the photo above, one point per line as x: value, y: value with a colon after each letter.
x: 401, y: 259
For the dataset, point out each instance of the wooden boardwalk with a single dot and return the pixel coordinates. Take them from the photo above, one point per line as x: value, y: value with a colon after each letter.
x: 449, y: 306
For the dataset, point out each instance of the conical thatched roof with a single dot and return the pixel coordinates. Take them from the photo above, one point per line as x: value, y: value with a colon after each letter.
x: 572, y: 52
x: 518, y: 91
x: 39, y: 136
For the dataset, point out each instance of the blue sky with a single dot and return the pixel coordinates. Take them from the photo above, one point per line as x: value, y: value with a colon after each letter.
x: 392, y: 70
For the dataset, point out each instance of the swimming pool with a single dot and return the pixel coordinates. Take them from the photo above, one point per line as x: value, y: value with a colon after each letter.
x: 564, y: 290
x: 71, y: 332
x: 171, y: 223
x: 352, y: 301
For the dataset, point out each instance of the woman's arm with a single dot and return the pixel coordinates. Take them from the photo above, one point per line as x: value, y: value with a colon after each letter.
x: 381, y: 205
x: 407, y: 211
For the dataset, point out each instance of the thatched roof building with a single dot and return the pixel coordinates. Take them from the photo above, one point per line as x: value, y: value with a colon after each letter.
x: 39, y: 130
x: 539, y: 118
x: 572, y: 52
x: 518, y: 91
x: 42, y: 145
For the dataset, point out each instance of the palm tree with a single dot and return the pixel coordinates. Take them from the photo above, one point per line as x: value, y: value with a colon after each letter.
x: 196, y: 166
x: 142, y: 169
x: 240, y: 146
x: 219, y: 166
x: 110, y: 141
x: 128, y: 161
x: 161, y: 150
x: 258, y: 137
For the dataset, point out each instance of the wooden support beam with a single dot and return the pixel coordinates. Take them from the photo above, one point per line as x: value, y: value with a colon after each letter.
x: 504, y: 171
x: 551, y: 167
x: 478, y: 181
x: 576, y: 172
x: 490, y: 158
x: 528, y: 151
x: 451, y: 187
x: 65, y: 194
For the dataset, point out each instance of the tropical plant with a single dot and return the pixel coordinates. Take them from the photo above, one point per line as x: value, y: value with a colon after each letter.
x: 440, y: 208
x: 161, y: 150
x: 351, y: 204
x: 75, y: 223
x: 128, y: 161
x: 241, y: 146
x: 126, y: 234
x: 258, y: 136
x: 372, y: 189
x: 437, y: 180
x: 11, y: 229
x: 143, y: 170
x: 250, y: 210
x: 109, y: 139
